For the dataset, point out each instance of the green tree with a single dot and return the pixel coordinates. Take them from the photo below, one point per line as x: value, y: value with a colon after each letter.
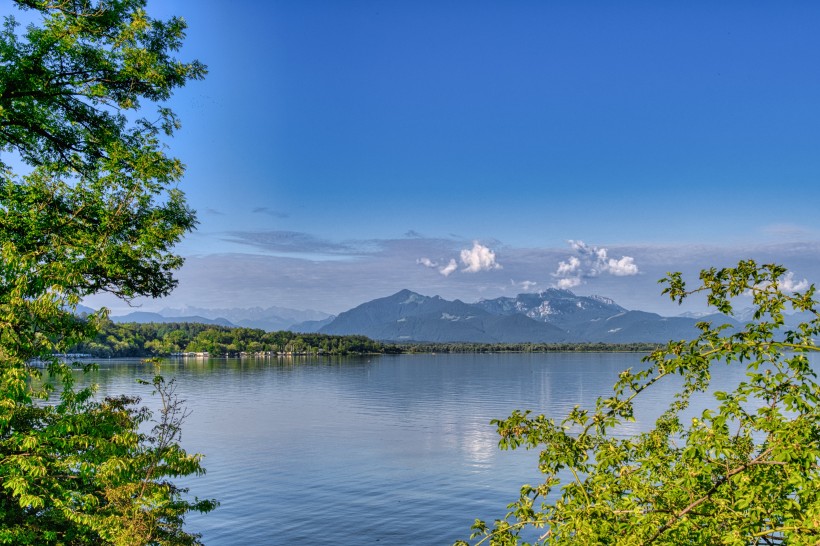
x: 92, y: 207
x: 744, y: 471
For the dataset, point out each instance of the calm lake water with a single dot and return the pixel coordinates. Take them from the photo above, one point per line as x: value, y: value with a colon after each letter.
x: 390, y: 449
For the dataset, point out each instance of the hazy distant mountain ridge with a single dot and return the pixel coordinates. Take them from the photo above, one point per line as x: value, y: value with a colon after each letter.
x: 270, y: 318
x: 145, y: 317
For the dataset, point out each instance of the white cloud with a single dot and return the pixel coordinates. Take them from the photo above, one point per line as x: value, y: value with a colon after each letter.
x: 449, y: 268
x: 445, y: 270
x: 788, y: 283
x: 524, y: 285
x: 478, y: 258
x: 591, y: 261
x: 625, y: 267
x: 567, y: 283
x: 570, y: 267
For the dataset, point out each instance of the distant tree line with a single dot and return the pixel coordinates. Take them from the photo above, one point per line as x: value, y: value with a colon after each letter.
x: 130, y: 339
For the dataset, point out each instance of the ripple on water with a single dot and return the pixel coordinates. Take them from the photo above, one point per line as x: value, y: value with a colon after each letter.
x: 396, y: 450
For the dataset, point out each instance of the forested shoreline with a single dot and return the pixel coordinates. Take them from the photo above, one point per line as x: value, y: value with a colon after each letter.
x: 129, y: 339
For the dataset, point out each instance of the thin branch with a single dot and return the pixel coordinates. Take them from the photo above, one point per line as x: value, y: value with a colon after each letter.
x: 724, y: 479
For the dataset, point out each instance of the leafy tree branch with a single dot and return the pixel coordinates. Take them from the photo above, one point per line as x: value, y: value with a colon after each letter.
x: 98, y: 209
x: 743, y: 472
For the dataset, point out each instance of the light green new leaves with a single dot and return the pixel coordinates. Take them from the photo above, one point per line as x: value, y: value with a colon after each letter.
x: 744, y: 472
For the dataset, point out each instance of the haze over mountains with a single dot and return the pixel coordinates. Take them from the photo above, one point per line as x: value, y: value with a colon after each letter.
x: 550, y: 316
x: 269, y: 319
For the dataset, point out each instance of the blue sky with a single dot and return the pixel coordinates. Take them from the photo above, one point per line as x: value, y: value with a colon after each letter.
x: 341, y: 151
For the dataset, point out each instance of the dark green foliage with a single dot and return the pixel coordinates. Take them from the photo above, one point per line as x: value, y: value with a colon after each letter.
x: 95, y: 208
x: 117, y: 340
x: 83, y: 472
x: 66, y: 87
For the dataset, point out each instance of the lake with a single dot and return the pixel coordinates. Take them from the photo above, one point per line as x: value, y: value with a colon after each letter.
x: 359, y: 450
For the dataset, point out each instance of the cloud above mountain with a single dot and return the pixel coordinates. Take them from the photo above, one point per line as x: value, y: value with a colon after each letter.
x: 591, y: 261
x: 525, y: 286
x: 787, y: 283
x: 445, y: 269
x: 449, y: 268
x: 302, y: 270
x: 478, y: 258
x: 475, y: 259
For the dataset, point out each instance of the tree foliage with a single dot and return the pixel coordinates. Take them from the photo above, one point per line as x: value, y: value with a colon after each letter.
x: 743, y: 471
x: 92, y: 206
x: 131, y: 339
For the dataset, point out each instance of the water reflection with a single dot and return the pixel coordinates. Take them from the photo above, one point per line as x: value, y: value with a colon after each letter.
x: 350, y: 450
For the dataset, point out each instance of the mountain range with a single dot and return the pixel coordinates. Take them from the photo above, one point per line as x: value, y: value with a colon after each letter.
x: 270, y: 319
x: 550, y: 316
